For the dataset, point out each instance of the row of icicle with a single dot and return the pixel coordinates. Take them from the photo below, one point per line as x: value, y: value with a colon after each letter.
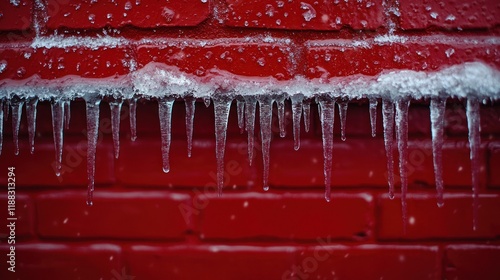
x: 394, y: 112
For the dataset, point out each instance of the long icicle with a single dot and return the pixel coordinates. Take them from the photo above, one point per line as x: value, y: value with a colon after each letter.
x: 17, y: 111
x: 240, y: 109
x: 190, y: 103
x: 306, y: 106
x: 373, y: 115
x: 296, y: 115
x: 222, y: 105
x: 402, y: 106
x: 281, y: 116
x: 1, y: 125
x: 6, y: 109
x: 327, y: 118
x: 31, y: 116
x: 388, y: 122
x: 132, y: 103
x: 116, y: 107
x: 250, y: 107
x: 165, y: 114
x: 474, y: 126
x: 266, y: 117
x: 438, y: 106
x: 343, y: 117
x: 67, y: 113
x: 57, y: 107
x: 92, y: 105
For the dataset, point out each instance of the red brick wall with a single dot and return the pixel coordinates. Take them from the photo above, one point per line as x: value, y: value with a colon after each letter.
x: 146, y: 224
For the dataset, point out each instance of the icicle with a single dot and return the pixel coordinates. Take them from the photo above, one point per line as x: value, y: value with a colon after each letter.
x: 6, y: 109
x: 31, y: 116
x: 17, y: 111
x: 474, y: 126
x: 92, y: 104
x: 189, y: 102
x: 296, y: 114
x: 1, y: 125
x: 306, y: 106
x: 206, y: 101
x: 67, y: 114
x: 343, y: 117
x: 116, y: 107
x: 402, y: 106
x: 373, y: 115
x: 222, y: 105
x: 266, y: 117
x: 132, y: 103
x: 250, y: 106
x: 388, y: 121
x: 281, y: 116
x: 327, y: 117
x: 240, y: 107
x: 57, y: 107
x: 165, y: 113
x: 437, y: 107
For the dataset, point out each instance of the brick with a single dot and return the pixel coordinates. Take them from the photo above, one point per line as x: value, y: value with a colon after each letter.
x: 334, y: 58
x: 63, y: 261
x: 448, y: 14
x: 24, y: 214
x: 122, y: 215
x: 282, y: 216
x: 120, y: 13
x: 494, y: 164
x: 52, y: 63
x: 161, y: 261
x: 377, y: 262
x: 38, y: 170
x: 16, y: 15
x: 199, y: 171
x: 311, y: 15
x: 472, y: 261
x: 237, y: 56
x: 427, y: 221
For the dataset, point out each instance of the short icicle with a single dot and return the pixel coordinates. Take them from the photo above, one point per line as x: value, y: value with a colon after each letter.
x: 281, y: 116
x: 373, y: 115
x: 189, y: 102
x: 327, y: 118
x: 57, y: 107
x: 132, y: 107
x: 92, y: 105
x: 67, y: 114
x: 388, y: 122
x: 474, y: 126
x: 31, y: 116
x: 306, y: 107
x: 343, y: 117
x: 250, y: 107
x: 437, y: 108
x: 165, y: 105
x: 266, y: 117
x: 296, y: 115
x: 222, y: 105
x: 17, y: 111
x: 116, y: 107
x: 402, y: 106
x: 240, y: 108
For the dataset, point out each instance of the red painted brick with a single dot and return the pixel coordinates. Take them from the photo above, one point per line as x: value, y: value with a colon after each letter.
x: 427, y: 221
x: 312, y: 15
x: 237, y: 56
x: 198, y: 171
x: 52, y: 63
x: 60, y: 261
x: 449, y: 14
x: 334, y: 58
x: 16, y: 15
x: 494, y: 164
x: 24, y: 214
x: 38, y: 170
x: 209, y: 261
x: 472, y: 261
x: 232, y: 216
x: 120, y: 13
x: 367, y: 262
x: 123, y: 215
